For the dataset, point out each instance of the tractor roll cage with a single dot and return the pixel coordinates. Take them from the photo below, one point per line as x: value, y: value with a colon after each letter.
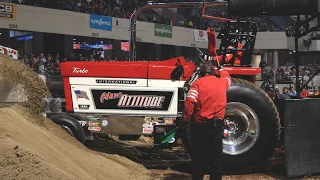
x: 243, y: 32
x: 153, y: 5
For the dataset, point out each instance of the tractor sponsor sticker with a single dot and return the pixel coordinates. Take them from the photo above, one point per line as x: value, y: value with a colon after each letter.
x: 79, y: 70
x: 94, y: 129
x: 104, y: 123
x: 83, y: 123
x: 81, y: 95
x: 94, y: 126
x: 106, y: 81
x: 169, y: 120
x: 172, y: 140
x: 84, y: 106
x: 147, y: 119
x: 134, y: 100
x: 155, y: 118
x: 147, y: 130
x: 106, y: 96
x: 93, y: 118
x: 147, y: 125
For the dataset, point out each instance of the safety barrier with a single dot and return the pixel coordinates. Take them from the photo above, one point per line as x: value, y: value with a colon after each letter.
x: 301, y: 136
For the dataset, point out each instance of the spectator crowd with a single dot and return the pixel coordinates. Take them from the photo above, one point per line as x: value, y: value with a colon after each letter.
x: 288, y: 92
x: 43, y: 65
x: 49, y: 65
x: 124, y: 8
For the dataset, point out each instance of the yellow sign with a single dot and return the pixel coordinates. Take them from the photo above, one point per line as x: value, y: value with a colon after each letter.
x: 8, y: 11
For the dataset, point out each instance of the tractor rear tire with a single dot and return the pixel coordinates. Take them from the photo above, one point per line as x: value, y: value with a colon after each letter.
x: 240, y: 158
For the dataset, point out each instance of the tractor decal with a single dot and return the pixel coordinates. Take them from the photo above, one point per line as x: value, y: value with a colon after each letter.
x: 134, y: 100
x: 141, y: 101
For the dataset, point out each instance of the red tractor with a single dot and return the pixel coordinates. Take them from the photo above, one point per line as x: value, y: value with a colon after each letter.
x: 134, y: 98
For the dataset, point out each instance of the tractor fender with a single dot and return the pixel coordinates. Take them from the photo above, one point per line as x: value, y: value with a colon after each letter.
x: 71, y: 123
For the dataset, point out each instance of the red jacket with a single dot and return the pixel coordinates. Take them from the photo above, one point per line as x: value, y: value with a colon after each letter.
x: 207, y: 98
x: 304, y: 93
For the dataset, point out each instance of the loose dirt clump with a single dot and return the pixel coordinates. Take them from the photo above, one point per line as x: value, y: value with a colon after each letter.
x: 15, y: 73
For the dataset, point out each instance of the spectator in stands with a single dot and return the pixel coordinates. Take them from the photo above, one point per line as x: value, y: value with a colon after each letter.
x: 42, y: 58
x: 304, y: 93
x: 315, y: 91
x: 91, y: 58
x: 292, y: 92
x: 57, y: 56
x: 49, y: 58
x: 190, y: 24
x: 33, y: 63
x: 284, y: 94
x: 41, y: 68
x: 57, y: 63
x: 49, y: 68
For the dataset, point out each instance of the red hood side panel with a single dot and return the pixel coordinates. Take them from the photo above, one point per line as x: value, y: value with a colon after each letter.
x: 163, y: 69
x: 117, y: 69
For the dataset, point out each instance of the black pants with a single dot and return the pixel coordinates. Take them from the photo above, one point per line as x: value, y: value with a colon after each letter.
x: 207, y: 149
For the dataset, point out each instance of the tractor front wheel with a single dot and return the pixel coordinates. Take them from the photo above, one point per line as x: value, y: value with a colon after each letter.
x: 253, y: 127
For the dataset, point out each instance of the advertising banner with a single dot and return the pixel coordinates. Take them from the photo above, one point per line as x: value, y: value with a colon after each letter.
x: 100, y: 22
x: 8, y: 11
x: 200, y: 35
x: 162, y: 30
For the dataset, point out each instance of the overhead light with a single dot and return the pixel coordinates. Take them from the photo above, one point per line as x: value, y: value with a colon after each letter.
x: 74, y: 39
x: 0, y: 33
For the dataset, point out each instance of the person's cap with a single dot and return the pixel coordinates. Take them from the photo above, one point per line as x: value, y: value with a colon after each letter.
x: 209, y: 67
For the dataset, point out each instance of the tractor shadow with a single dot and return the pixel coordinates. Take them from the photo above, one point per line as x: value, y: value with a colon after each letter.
x: 165, y: 166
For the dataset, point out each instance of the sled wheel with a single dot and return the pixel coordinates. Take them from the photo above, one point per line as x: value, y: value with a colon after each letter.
x: 254, y: 127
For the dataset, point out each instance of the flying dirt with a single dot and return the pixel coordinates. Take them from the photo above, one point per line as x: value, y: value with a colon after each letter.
x: 33, y: 147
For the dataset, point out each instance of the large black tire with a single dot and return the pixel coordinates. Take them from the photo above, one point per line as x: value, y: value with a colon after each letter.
x: 72, y: 124
x: 247, y: 93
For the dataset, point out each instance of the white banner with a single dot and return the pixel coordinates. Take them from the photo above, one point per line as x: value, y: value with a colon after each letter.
x: 200, y: 35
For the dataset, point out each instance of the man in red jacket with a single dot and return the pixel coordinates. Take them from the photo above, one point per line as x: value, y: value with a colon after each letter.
x: 205, y: 104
